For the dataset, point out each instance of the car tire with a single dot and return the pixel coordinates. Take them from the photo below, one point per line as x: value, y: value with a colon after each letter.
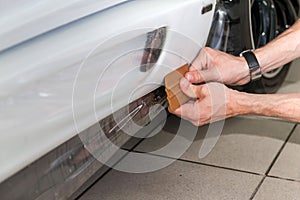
x: 269, y: 18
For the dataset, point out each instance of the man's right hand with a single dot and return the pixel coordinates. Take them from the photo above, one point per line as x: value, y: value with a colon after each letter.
x: 216, y: 66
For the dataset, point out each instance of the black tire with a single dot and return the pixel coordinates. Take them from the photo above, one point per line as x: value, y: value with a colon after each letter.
x: 269, y: 19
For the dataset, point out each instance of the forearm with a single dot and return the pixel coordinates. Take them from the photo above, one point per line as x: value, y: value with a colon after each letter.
x: 286, y: 106
x: 281, y: 50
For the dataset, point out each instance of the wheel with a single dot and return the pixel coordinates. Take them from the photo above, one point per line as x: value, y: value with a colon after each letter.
x: 269, y: 19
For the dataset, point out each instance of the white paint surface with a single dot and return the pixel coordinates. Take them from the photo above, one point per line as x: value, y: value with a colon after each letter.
x: 37, y: 76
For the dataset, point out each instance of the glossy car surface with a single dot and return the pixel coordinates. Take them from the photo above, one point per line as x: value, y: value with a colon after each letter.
x: 68, y: 65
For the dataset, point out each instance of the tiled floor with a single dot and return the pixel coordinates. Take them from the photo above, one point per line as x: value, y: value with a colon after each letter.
x: 255, y: 158
x: 292, y: 83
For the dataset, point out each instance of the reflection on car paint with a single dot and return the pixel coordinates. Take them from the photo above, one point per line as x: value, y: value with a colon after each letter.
x: 64, y: 170
x: 154, y: 45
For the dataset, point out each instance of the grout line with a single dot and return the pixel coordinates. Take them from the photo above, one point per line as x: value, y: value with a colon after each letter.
x: 264, y: 178
x: 273, y: 162
x: 109, y: 170
x: 280, y: 150
x: 91, y: 185
x: 199, y: 163
x: 104, y: 174
x: 285, y: 179
x: 257, y: 188
x: 136, y: 145
x: 220, y: 167
x: 210, y: 165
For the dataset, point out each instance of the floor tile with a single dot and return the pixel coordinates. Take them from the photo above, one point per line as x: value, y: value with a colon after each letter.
x: 292, y: 80
x: 181, y: 180
x: 288, y: 163
x: 294, y: 72
x: 156, y: 124
x: 248, y: 144
x: 289, y: 87
x: 277, y: 189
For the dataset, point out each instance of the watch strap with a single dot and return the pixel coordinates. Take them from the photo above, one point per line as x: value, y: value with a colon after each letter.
x: 254, y: 67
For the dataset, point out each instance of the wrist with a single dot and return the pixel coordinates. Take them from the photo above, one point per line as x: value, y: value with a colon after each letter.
x: 237, y: 103
x: 242, y: 103
x: 253, y: 104
x: 254, y: 68
x: 244, y: 69
x: 262, y: 59
x: 241, y: 72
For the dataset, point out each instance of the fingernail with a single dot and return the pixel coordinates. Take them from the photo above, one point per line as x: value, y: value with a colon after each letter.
x: 184, y: 83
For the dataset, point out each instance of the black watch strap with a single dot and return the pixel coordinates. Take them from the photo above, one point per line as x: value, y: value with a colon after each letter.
x: 254, y: 67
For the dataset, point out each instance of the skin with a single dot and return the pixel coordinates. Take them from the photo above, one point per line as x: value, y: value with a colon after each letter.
x: 212, y: 69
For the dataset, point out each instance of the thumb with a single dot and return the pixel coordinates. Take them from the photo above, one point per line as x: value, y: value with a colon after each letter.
x: 189, y: 89
x: 202, y: 76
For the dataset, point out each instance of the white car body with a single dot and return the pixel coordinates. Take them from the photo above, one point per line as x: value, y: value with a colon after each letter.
x: 43, y: 47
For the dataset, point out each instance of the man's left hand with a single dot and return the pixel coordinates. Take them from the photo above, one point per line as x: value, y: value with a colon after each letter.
x: 212, y: 102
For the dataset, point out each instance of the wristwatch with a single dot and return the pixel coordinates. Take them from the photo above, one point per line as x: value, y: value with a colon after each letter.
x: 254, y: 67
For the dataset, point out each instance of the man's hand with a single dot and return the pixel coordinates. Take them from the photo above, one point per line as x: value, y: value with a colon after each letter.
x: 216, y: 66
x: 213, y: 102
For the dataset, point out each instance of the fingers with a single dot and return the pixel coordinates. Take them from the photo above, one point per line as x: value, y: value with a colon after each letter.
x: 201, y: 60
x: 192, y: 68
x: 202, y: 69
x: 191, y: 90
x: 210, y: 104
x: 202, y: 76
x: 189, y: 111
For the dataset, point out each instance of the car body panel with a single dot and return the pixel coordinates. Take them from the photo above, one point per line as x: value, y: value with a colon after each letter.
x: 41, y: 77
x: 24, y: 20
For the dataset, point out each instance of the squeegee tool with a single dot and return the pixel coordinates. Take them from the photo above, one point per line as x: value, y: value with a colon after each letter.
x: 175, y: 96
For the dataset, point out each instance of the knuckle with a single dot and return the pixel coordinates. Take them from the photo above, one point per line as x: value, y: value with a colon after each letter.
x: 198, y: 76
x: 206, y: 49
